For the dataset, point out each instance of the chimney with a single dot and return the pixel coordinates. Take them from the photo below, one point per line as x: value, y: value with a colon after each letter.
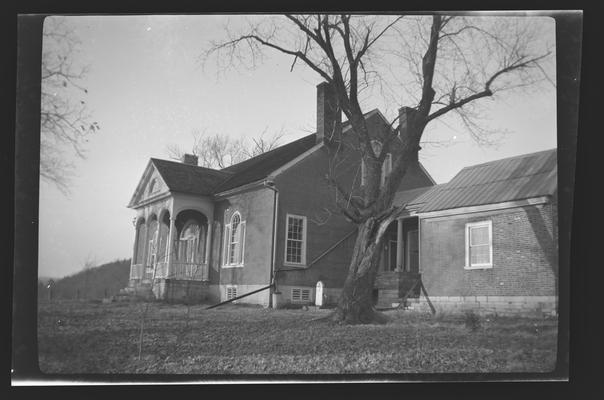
x: 190, y: 159
x: 405, y: 118
x: 328, y: 112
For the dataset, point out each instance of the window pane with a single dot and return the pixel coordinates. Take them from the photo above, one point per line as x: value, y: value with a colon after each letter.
x: 479, y: 235
x: 295, y: 237
x: 479, y: 254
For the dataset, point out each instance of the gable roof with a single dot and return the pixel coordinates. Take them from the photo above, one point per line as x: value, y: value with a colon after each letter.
x: 262, y: 165
x: 180, y: 177
x: 515, y: 178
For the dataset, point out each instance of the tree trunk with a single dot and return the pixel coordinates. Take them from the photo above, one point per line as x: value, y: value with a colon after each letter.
x: 356, y: 304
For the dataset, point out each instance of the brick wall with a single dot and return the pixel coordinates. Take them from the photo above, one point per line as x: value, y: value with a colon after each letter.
x: 304, y: 191
x: 524, y: 254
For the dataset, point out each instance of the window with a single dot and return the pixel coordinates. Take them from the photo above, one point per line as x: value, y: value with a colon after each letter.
x: 231, y: 292
x: 295, y: 240
x: 386, y: 166
x: 234, y: 241
x: 479, y: 245
x: 300, y: 295
x: 188, y: 243
x: 153, y: 187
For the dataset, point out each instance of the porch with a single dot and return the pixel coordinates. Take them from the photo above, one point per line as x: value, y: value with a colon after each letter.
x: 398, y: 270
x: 167, y: 248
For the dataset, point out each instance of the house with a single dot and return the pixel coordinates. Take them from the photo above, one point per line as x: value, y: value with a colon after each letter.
x: 214, y: 235
x: 486, y: 240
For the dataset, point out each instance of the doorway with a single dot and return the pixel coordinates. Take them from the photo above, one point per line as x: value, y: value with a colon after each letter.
x: 412, y: 251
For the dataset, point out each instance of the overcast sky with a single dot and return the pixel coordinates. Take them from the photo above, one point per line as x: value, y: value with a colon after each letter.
x: 147, y: 90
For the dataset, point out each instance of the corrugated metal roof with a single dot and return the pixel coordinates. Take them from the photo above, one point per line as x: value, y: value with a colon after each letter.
x: 514, y: 178
x: 409, y: 196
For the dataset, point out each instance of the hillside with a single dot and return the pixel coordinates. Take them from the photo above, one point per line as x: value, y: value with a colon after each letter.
x: 94, y: 283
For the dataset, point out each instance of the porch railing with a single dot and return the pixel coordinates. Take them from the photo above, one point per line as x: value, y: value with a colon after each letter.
x: 180, y: 270
x: 137, y: 271
x: 190, y: 271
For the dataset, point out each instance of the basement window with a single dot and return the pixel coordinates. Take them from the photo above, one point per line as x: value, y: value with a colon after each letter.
x: 231, y: 292
x: 300, y: 295
x: 479, y: 245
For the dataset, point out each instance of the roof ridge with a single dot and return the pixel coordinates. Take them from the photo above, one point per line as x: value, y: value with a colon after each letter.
x: 547, y: 172
x: 367, y: 114
x: 266, y: 153
x: 509, y: 158
x: 190, y: 165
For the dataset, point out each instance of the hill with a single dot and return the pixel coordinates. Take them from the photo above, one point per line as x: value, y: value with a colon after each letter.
x: 93, y: 283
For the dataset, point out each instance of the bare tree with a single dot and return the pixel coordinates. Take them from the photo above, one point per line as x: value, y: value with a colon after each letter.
x: 441, y: 65
x: 65, y: 119
x: 220, y: 151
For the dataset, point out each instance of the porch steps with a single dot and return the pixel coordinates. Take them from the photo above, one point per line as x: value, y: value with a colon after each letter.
x: 396, y: 303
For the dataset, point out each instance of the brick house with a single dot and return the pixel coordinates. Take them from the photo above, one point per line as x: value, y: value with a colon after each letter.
x: 488, y: 239
x: 213, y: 235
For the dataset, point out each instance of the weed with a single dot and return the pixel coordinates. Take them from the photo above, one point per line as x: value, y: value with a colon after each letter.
x: 472, y: 320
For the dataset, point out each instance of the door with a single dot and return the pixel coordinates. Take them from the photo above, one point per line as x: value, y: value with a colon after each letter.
x: 392, y: 245
x: 412, y: 251
x: 319, y: 294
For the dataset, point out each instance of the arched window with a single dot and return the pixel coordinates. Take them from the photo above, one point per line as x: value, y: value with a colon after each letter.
x: 234, y: 241
x: 188, y: 246
x: 376, y: 145
x: 152, y: 187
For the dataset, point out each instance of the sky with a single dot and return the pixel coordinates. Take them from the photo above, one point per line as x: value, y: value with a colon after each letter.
x: 147, y: 89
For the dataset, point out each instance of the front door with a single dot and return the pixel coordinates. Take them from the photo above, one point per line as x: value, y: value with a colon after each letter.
x: 392, y: 245
x: 412, y: 251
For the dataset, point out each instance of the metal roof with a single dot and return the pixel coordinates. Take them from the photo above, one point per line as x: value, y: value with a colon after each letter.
x: 508, y: 179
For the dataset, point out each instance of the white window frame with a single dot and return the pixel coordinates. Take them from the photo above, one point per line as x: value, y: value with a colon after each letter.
x: 152, y: 187
x: 303, y: 247
x: 226, y: 251
x: 386, y: 168
x: 301, y: 290
x: 189, y: 243
x: 152, y: 253
x: 386, y: 165
x: 489, y: 224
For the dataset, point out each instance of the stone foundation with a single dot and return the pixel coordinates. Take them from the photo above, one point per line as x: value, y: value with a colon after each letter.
x: 500, y: 305
x: 181, y: 291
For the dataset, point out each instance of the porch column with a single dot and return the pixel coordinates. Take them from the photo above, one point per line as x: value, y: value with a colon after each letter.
x: 399, y: 244
x: 145, y: 250
x: 136, y: 239
x: 208, y: 243
x: 170, y: 247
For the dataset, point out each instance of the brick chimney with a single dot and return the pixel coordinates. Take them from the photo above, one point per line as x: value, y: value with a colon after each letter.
x: 405, y: 114
x: 190, y: 159
x: 328, y: 112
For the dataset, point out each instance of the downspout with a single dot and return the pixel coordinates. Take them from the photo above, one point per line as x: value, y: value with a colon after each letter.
x: 271, y: 185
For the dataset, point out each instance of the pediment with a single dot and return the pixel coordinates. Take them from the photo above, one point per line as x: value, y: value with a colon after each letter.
x: 150, y: 185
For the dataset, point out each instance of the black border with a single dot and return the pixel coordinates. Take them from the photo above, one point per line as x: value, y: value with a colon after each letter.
x: 24, y: 304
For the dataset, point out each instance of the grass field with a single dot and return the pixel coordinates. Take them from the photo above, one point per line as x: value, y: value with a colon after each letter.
x: 78, y: 337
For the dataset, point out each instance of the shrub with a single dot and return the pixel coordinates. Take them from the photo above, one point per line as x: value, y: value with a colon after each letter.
x: 471, y: 320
